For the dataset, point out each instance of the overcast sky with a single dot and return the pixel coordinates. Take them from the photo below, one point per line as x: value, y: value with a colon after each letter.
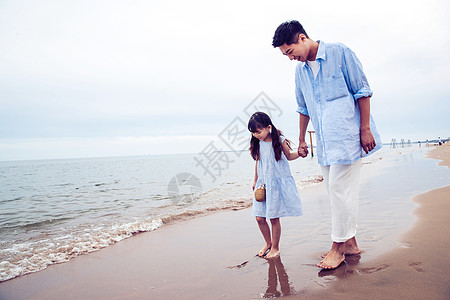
x: 110, y: 78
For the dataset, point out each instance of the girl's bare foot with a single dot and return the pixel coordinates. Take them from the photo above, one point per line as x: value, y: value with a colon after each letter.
x: 332, y: 260
x: 273, y: 253
x: 264, y: 250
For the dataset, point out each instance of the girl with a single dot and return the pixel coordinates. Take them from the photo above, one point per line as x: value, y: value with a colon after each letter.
x: 271, y: 151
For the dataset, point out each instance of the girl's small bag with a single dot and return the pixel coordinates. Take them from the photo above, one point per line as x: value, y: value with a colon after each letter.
x: 260, y: 193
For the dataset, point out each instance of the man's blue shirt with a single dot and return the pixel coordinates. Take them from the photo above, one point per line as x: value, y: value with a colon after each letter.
x: 330, y: 100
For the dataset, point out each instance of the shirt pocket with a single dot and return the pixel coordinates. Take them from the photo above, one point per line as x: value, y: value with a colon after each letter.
x: 335, y: 87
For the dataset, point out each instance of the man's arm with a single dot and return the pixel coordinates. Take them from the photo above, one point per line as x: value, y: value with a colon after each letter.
x: 302, y: 147
x: 367, y: 140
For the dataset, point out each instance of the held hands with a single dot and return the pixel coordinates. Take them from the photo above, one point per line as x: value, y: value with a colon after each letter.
x: 254, y: 185
x: 302, y: 149
x: 367, y: 140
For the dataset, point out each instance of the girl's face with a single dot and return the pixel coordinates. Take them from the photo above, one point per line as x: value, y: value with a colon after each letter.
x: 263, y: 134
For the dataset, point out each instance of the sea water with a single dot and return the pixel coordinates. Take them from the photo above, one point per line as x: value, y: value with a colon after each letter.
x: 53, y: 210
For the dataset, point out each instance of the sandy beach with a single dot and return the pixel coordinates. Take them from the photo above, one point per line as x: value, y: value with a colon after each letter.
x: 403, y: 232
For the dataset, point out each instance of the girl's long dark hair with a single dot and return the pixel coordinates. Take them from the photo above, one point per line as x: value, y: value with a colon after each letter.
x: 260, y: 120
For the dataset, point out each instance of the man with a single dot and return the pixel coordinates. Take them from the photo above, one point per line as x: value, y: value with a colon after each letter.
x: 332, y: 91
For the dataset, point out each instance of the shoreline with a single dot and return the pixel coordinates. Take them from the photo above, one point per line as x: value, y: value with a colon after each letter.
x: 212, y: 257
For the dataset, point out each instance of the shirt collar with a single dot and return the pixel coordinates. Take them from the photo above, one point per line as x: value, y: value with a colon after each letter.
x: 320, y: 52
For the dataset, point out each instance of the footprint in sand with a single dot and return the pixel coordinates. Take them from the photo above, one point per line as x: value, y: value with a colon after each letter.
x: 372, y: 270
x: 416, y: 266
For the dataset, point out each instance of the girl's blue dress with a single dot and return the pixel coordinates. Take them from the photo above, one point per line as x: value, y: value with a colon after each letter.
x: 282, y: 198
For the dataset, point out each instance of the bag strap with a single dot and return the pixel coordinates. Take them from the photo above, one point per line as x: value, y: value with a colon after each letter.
x: 267, y: 167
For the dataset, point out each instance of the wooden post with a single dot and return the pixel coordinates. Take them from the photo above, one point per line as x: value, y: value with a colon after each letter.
x: 310, y: 139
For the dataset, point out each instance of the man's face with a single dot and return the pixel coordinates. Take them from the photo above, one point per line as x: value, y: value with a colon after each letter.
x: 297, y: 51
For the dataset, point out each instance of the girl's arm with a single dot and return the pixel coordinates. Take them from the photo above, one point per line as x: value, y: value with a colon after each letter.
x: 287, y: 152
x: 256, y: 175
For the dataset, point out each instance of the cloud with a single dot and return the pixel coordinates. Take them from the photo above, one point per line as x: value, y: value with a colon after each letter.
x: 106, y: 69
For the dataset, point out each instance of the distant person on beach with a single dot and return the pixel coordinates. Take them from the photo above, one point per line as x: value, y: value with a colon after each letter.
x: 440, y: 141
x: 332, y: 91
x: 271, y: 151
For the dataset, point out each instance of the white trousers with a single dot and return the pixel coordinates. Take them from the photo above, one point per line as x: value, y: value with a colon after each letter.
x: 342, y: 183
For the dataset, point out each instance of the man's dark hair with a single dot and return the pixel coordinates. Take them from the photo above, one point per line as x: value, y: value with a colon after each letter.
x: 287, y: 33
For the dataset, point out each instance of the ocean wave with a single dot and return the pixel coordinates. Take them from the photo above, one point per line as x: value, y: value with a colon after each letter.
x: 31, y: 256
x: 12, y: 224
x: 309, y: 181
x: 190, y: 214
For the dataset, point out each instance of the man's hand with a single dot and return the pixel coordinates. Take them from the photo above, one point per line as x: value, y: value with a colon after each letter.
x: 302, y: 149
x: 367, y: 140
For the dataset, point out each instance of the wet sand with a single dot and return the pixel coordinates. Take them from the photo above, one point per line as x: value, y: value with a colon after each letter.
x: 213, y: 257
